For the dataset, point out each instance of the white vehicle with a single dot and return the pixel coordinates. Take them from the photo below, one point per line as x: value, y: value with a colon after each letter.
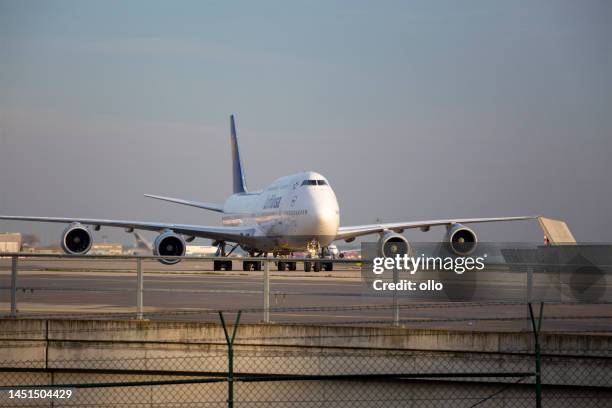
x: 294, y: 213
x: 332, y: 251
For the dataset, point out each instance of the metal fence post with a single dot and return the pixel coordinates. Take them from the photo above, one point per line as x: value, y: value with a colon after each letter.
x: 230, y: 357
x: 529, y: 283
x: 395, y: 302
x: 139, y: 289
x: 14, y: 286
x: 266, y: 292
x: 538, y: 357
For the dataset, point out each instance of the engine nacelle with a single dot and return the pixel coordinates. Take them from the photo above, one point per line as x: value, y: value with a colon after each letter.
x: 461, y: 240
x: 76, y: 239
x: 169, y: 243
x: 391, y: 244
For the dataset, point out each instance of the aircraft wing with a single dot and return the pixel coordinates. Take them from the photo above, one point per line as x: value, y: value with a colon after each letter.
x: 232, y: 234
x: 197, y: 204
x: 349, y: 233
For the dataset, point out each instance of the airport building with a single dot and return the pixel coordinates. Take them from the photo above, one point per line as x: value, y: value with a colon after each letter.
x: 200, y: 250
x: 50, y: 249
x: 10, y: 242
x: 106, y: 249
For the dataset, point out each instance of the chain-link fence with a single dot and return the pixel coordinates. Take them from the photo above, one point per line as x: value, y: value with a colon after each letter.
x: 244, y: 365
x: 119, y: 333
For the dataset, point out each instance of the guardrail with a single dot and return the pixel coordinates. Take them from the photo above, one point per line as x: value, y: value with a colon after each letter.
x: 529, y: 272
x: 140, y: 275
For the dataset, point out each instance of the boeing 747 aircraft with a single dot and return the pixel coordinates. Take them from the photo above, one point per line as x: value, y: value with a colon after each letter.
x: 295, y: 213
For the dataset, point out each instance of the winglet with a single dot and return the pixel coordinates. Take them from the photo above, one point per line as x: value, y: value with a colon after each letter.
x: 237, y: 167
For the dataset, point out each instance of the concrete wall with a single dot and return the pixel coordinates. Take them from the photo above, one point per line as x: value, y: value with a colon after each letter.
x: 577, y: 366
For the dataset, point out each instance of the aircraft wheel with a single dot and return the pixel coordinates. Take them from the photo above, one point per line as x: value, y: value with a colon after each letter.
x: 328, y: 266
x: 217, y: 265
x: 292, y: 266
x: 247, y: 265
x: 317, y: 267
x: 258, y: 265
x: 307, y: 266
x: 281, y: 265
x: 227, y: 265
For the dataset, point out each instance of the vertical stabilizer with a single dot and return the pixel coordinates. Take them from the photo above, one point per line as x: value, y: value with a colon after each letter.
x: 237, y: 168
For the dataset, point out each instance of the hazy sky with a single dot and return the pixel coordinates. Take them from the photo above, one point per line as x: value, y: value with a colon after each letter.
x: 412, y: 110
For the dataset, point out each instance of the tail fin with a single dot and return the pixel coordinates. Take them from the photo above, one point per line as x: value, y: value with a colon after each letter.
x: 237, y: 168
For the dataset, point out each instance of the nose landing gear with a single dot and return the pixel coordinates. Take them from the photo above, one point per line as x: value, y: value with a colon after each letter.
x: 313, y: 248
x: 319, y: 266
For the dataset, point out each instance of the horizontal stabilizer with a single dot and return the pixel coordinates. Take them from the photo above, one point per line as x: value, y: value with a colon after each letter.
x: 206, y: 206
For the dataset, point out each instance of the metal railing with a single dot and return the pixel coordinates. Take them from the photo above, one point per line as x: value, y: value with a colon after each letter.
x: 139, y: 293
x: 394, y: 306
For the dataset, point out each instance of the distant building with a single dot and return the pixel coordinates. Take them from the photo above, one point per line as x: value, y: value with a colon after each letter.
x: 106, y: 249
x: 10, y: 242
x: 200, y: 250
x: 51, y: 249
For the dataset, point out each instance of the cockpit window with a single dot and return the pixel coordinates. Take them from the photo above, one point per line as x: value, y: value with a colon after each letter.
x: 314, y: 182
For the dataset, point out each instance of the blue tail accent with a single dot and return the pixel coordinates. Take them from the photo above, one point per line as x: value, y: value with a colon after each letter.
x: 237, y: 168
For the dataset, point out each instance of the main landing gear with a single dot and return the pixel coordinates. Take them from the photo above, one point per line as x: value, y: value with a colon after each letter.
x: 252, y: 265
x: 223, y: 265
x: 287, y: 265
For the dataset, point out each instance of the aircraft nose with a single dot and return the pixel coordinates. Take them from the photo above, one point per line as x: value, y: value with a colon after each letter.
x: 325, y: 220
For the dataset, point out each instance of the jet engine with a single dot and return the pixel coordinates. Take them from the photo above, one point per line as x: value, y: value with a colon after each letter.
x: 76, y: 239
x: 391, y: 244
x: 169, y: 243
x: 461, y: 240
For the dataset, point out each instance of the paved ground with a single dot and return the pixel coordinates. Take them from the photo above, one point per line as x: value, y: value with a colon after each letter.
x: 190, y: 290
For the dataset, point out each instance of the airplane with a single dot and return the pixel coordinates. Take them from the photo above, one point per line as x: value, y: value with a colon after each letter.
x: 294, y: 213
x: 350, y: 254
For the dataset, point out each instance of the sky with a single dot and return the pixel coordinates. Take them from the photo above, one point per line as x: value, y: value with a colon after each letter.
x: 412, y: 110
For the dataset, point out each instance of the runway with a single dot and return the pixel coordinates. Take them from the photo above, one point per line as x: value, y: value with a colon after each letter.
x: 191, y: 291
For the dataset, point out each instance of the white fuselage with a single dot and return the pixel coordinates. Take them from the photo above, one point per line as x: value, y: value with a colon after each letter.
x: 293, y: 213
